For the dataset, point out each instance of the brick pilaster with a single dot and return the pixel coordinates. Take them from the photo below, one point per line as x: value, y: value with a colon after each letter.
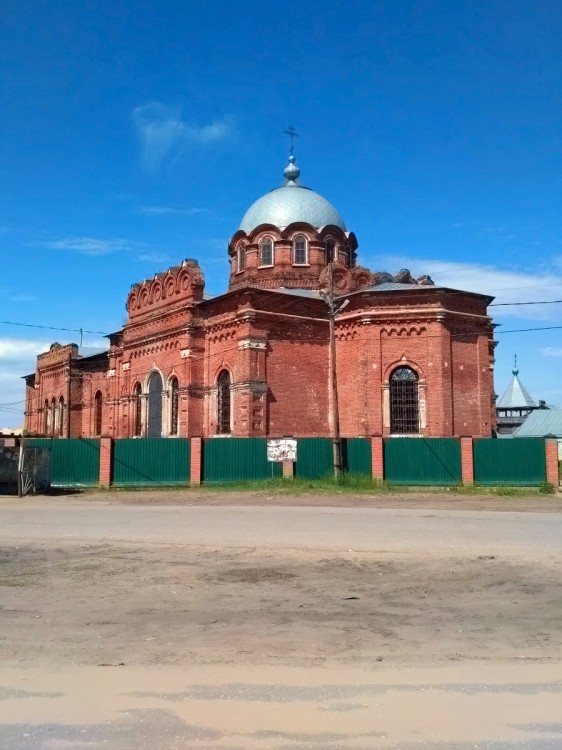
x: 467, y: 460
x: 551, y: 448
x: 288, y: 469
x: 377, y: 458
x: 106, y: 461
x: 195, y: 461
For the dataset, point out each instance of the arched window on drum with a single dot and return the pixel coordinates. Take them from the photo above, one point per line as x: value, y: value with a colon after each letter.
x: 330, y: 249
x: 266, y: 252
x: 404, y: 402
x: 300, y: 250
x: 240, y: 258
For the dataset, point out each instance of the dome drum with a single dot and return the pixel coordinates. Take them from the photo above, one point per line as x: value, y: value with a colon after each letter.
x: 298, y: 253
x: 288, y: 237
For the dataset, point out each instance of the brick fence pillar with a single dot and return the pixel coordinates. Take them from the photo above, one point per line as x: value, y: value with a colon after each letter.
x: 106, y: 461
x: 551, y: 448
x: 377, y: 458
x: 195, y: 461
x: 467, y: 460
x: 288, y: 469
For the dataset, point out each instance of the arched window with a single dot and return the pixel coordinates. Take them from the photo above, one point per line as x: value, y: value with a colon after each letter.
x: 98, y: 410
x: 61, y: 416
x: 266, y: 252
x: 174, y: 406
x: 138, y: 411
x: 330, y: 249
x: 404, y: 402
x: 53, y: 417
x: 46, y: 418
x: 223, y: 403
x: 300, y: 250
x: 154, y: 406
x: 240, y: 258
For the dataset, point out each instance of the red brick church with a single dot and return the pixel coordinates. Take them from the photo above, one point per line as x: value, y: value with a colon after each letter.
x: 412, y: 358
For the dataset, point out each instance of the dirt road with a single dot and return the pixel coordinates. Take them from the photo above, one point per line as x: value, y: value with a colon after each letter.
x: 141, y: 626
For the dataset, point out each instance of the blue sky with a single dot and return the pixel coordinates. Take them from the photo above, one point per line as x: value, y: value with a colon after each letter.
x: 136, y: 134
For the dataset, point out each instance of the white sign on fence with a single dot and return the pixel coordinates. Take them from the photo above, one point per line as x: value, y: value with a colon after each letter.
x: 284, y: 449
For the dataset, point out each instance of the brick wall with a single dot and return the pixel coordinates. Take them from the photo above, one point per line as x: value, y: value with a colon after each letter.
x: 275, y: 347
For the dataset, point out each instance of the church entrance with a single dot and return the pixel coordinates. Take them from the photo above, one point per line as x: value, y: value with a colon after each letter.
x: 154, y: 422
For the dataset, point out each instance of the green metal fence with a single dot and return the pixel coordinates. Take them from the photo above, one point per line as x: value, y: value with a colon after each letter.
x: 422, y: 461
x: 75, y: 462
x: 513, y: 462
x: 315, y: 458
x: 147, y: 461
x: 237, y: 460
x: 356, y: 455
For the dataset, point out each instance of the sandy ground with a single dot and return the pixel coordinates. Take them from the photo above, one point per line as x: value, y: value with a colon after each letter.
x: 107, y: 604
x: 532, y: 503
x: 134, y: 645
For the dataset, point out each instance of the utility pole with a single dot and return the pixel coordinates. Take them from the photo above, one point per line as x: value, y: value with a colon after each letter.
x: 333, y: 309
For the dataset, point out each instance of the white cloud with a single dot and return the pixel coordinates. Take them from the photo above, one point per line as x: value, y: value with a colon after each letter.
x: 89, y: 245
x: 17, y: 358
x: 163, y: 133
x: 94, y: 246
x: 168, y: 210
x: 507, y: 286
x: 18, y: 348
x: 551, y: 351
x: 154, y: 258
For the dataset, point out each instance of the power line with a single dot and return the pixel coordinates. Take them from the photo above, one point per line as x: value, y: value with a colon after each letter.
x: 50, y: 328
x: 280, y: 308
x: 512, y: 304
x: 524, y: 330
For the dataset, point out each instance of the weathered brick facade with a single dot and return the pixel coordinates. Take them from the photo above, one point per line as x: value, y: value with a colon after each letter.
x: 270, y: 333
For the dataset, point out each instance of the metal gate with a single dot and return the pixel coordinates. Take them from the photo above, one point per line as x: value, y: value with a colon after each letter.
x: 34, y: 469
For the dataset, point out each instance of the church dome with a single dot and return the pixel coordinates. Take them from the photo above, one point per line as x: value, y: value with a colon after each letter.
x: 291, y: 203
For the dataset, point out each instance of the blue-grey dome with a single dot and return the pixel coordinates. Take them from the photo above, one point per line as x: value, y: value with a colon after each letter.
x: 289, y: 203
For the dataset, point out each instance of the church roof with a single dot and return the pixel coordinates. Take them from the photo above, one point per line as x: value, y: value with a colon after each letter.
x: 541, y: 422
x: 515, y: 395
x: 292, y: 202
x: 397, y: 286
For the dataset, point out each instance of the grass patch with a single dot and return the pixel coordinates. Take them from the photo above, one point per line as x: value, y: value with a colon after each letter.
x: 352, y: 484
